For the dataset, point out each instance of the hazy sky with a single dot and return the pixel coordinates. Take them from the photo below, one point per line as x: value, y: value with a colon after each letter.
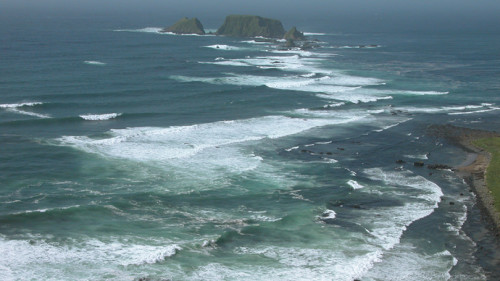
x: 322, y: 6
x: 345, y: 12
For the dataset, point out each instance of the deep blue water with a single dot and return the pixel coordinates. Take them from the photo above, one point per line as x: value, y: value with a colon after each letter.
x: 126, y: 153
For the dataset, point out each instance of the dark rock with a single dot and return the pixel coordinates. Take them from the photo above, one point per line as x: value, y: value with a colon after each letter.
x: 251, y: 26
x: 186, y: 26
x: 400, y: 161
x: 308, y: 45
x: 418, y: 164
x: 329, y: 153
x: 290, y: 43
x: 294, y: 34
x: 438, y: 166
x: 452, y: 203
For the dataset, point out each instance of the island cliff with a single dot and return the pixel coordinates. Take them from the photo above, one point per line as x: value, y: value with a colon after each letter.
x: 186, y: 26
x: 251, y: 26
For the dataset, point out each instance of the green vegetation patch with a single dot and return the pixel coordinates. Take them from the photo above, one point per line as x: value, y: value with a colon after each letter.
x: 492, y: 145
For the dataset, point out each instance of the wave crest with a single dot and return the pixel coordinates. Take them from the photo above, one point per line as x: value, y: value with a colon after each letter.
x: 99, y: 117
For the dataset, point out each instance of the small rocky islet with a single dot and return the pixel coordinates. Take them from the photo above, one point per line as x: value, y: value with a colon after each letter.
x: 186, y: 26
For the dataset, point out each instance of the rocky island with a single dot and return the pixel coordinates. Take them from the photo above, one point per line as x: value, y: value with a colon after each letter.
x: 251, y: 26
x: 186, y: 26
x: 271, y: 30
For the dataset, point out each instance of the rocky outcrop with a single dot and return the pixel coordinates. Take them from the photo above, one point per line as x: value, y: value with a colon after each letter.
x: 290, y: 43
x: 251, y: 26
x: 294, y: 34
x: 186, y: 26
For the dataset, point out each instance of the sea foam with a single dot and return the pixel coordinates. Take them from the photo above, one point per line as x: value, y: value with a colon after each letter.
x: 224, y: 47
x: 93, y: 62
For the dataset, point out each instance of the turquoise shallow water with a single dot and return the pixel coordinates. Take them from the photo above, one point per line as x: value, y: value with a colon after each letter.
x: 126, y: 153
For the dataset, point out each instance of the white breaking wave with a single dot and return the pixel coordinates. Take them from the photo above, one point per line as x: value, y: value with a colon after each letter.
x: 296, y: 263
x: 146, y: 30
x: 402, y: 92
x: 256, y: 42
x: 421, y: 201
x: 390, y: 126
x: 338, y: 87
x: 354, y: 184
x: 424, y: 93
x: 93, y: 62
x: 46, y: 210
x: 162, y: 144
x: 19, y: 256
x: 99, y: 117
x: 417, y: 156
x: 299, y: 52
x: 314, y: 33
x: 224, y: 47
x: 15, y: 107
x: 203, y: 151
x: 451, y: 110
x: 476, y: 111
x: 414, y: 266
x: 289, y: 63
x: 156, y: 30
x: 357, y: 47
x: 328, y: 215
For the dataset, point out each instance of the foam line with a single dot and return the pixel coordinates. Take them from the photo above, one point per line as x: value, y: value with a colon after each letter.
x: 15, y: 107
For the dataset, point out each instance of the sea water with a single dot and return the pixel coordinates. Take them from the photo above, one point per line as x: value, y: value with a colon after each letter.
x: 126, y: 153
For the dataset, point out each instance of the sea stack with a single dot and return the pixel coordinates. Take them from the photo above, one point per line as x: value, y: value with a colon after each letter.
x: 251, y: 26
x: 294, y: 34
x: 186, y: 26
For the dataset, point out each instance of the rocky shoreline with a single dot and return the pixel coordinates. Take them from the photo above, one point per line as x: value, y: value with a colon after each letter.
x: 473, y: 170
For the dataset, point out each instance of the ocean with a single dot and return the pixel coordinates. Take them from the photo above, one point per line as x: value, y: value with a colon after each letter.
x: 127, y: 154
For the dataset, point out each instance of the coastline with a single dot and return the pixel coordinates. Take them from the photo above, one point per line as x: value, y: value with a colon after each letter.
x: 473, y: 169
